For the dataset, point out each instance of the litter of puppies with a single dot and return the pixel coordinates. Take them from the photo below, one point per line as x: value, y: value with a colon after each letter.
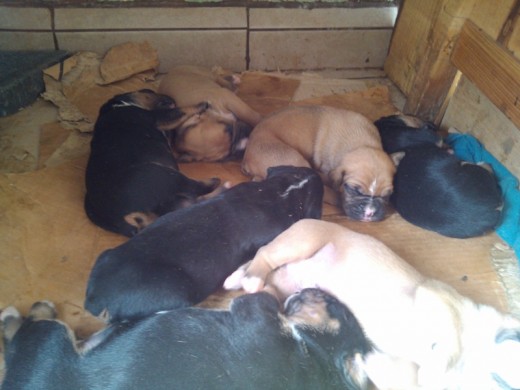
x: 177, y: 257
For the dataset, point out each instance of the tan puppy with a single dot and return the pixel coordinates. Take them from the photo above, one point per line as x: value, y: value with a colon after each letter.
x: 221, y: 132
x: 412, y: 320
x: 343, y: 145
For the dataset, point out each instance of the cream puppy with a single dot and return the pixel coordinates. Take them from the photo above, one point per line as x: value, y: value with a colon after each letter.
x: 413, y: 321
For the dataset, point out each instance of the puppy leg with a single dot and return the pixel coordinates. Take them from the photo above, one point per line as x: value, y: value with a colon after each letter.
x: 11, y: 321
x: 240, y: 109
x: 42, y: 310
x: 301, y: 241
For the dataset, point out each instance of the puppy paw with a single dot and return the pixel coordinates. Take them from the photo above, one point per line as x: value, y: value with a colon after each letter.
x: 43, y: 310
x: 234, y: 281
x: 252, y: 284
x: 9, y: 312
x: 11, y: 321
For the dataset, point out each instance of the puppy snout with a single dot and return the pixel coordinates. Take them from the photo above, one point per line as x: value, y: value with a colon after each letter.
x: 365, y: 209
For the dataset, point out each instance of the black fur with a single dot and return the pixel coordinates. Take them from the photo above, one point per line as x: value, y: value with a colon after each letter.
x: 249, y: 346
x: 435, y: 190
x: 186, y: 255
x: 131, y: 167
x: 397, y: 136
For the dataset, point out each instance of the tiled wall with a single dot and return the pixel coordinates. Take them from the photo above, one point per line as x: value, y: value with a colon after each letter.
x: 237, y: 38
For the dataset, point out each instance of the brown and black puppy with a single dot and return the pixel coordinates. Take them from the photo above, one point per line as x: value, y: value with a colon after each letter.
x: 419, y: 326
x: 313, y: 343
x: 187, y: 254
x: 434, y: 189
x: 220, y: 132
x: 132, y: 176
x: 342, y: 145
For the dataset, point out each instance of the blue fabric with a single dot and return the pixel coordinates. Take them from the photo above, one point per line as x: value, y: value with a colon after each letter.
x: 468, y: 148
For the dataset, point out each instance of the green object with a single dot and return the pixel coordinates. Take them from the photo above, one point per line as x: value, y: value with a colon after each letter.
x: 21, y: 76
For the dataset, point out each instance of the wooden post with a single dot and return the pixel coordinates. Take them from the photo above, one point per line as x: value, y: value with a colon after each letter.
x: 419, y: 57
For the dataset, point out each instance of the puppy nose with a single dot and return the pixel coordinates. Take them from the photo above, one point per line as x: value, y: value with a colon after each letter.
x: 369, y: 212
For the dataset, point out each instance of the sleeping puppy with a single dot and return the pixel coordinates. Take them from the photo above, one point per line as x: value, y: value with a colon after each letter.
x: 132, y: 176
x: 399, y: 132
x: 435, y: 190
x: 314, y: 343
x: 412, y: 320
x: 186, y: 255
x: 342, y: 145
x: 219, y: 133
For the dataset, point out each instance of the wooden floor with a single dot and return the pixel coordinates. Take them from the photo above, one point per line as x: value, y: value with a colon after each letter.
x: 48, y: 246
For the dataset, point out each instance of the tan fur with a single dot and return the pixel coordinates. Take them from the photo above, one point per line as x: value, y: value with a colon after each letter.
x: 190, y: 85
x: 411, y: 319
x: 343, y: 145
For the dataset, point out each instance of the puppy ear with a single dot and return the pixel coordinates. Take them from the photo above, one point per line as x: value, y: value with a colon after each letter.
x: 397, y: 157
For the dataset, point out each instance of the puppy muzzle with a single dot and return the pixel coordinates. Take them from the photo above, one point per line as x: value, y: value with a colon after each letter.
x: 365, y: 208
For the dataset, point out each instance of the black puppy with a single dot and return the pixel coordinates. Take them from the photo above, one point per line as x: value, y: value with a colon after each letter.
x: 315, y: 343
x: 435, y: 190
x: 132, y: 176
x: 399, y: 132
x: 186, y: 255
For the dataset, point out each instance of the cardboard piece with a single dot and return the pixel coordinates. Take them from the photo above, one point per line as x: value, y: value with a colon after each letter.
x: 125, y: 60
x: 80, y: 92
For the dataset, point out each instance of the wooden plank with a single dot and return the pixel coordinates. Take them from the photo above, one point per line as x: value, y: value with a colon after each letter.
x: 491, y: 68
x: 513, y: 40
x: 419, y: 57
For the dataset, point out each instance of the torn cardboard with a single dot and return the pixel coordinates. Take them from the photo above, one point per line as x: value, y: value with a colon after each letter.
x: 123, y: 61
x: 78, y: 88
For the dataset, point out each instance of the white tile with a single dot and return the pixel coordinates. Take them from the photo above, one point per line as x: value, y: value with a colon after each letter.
x: 341, y: 49
x: 135, y: 18
x: 205, y: 48
x: 22, y: 18
x: 269, y: 18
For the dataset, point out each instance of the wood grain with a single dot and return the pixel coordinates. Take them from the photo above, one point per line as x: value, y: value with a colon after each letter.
x: 494, y: 70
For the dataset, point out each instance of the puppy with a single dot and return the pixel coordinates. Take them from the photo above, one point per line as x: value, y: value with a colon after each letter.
x: 435, y: 190
x: 186, y: 255
x: 399, y: 132
x: 342, y: 145
x: 219, y: 133
x: 132, y: 176
x: 456, y: 343
x: 314, y: 343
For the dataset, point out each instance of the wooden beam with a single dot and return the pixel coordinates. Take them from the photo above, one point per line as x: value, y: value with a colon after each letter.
x: 419, y: 58
x: 493, y: 69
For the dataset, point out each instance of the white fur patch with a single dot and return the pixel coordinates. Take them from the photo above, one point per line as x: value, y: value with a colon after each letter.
x: 126, y: 104
x: 372, y: 188
x: 294, y: 187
